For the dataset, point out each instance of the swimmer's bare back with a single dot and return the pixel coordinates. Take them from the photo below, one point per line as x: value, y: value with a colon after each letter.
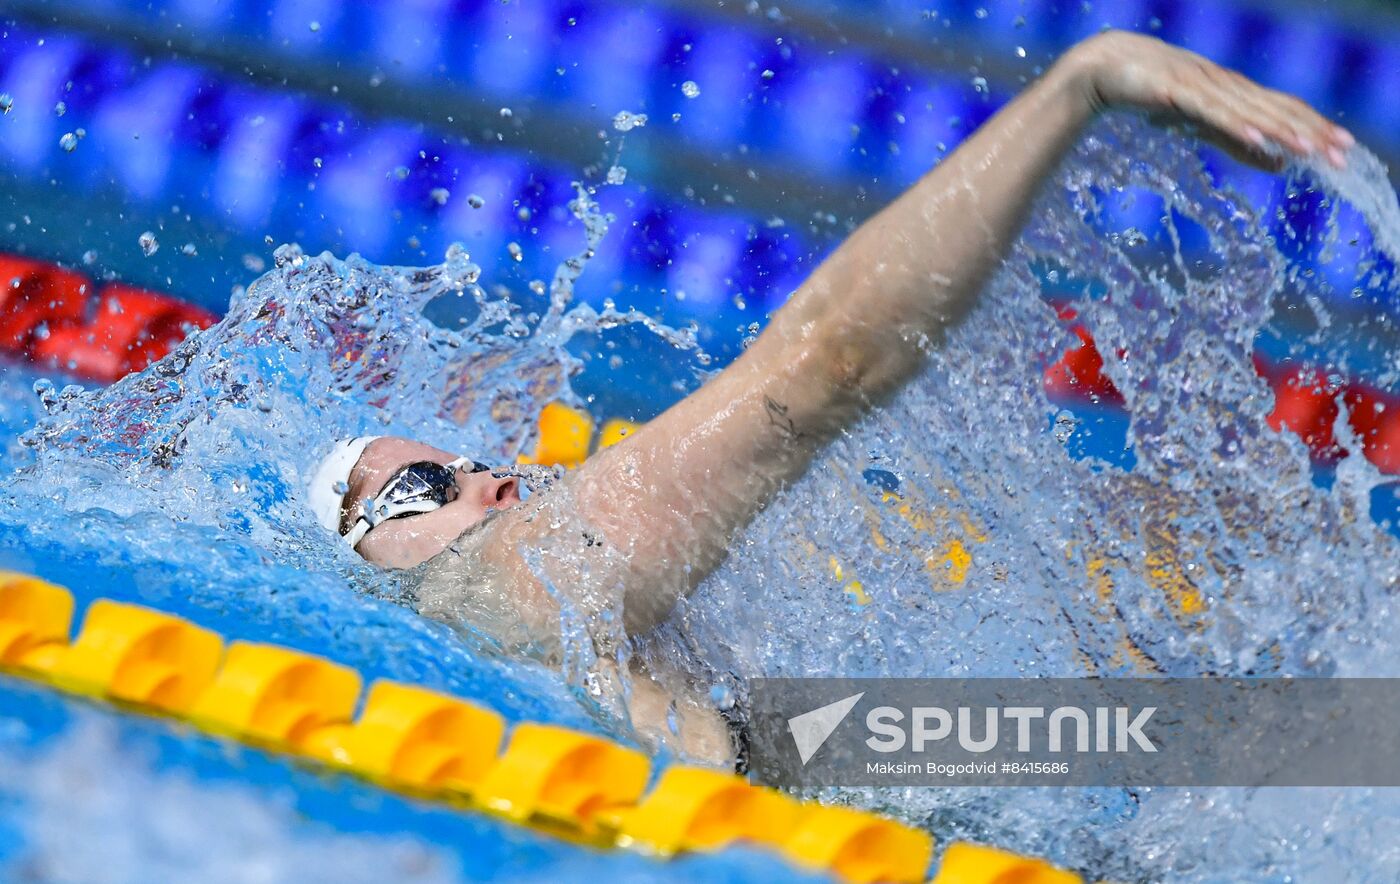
x: 666, y: 502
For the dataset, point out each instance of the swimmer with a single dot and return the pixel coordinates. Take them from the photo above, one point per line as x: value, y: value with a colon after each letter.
x: 661, y: 507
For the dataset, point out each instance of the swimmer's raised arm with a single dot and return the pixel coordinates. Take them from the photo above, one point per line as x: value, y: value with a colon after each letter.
x: 673, y: 495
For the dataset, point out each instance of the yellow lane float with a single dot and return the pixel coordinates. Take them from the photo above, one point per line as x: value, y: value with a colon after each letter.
x: 859, y: 846
x: 414, y: 738
x: 276, y: 696
x: 555, y: 779
x: 136, y: 655
x: 974, y: 864
x: 694, y: 808
x: 560, y: 777
x: 35, y: 620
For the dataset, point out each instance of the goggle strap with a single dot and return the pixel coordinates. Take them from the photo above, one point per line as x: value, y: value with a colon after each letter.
x: 357, y: 532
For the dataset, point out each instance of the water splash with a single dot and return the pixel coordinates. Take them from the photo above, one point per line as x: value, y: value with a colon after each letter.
x: 1002, y: 555
x: 189, y: 476
x: 998, y: 554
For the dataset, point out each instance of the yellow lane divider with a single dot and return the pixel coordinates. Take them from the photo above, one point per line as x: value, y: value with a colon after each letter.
x: 416, y: 738
x: 975, y: 864
x: 573, y: 784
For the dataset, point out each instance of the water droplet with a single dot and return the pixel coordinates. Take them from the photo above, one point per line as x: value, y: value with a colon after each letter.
x: 475, y: 201
x: 69, y: 142
x: 1065, y: 425
x: 316, y: 161
x: 7, y: 102
x: 314, y: 26
x: 515, y: 252
x: 523, y: 213
x: 537, y: 286
x: 722, y: 695
x: 149, y: 244
x: 188, y: 250
x: 288, y: 253
x: 979, y: 85
x: 48, y: 396
x: 400, y: 172
x: 340, y: 488
x: 767, y: 74
x: 690, y: 89
x: 89, y: 257
x: 617, y: 175
x: 506, y: 113
x: 61, y: 108
x: 1020, y: 52
x: 626, y: 121
x: 440, y: 195
x: 253, y: 263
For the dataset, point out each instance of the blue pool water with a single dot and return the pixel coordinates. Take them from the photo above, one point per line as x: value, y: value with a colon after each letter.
x: 180, y: 488
x: 89, y: 793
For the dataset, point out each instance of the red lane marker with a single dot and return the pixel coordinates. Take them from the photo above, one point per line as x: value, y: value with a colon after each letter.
x: 34, y: 298
x: 44, y: 316
x: 1374, y: 416
x: 1078, y: 374
x: 1305, y: 401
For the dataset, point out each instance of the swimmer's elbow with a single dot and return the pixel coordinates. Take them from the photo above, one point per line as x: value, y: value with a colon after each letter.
x: 847, y: 366
x: 862, y: 365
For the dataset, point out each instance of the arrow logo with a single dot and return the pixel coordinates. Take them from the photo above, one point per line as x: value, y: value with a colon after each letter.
x: 811, y: 729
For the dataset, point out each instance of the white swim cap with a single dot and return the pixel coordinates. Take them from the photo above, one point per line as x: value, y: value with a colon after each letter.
x: 325, y: 500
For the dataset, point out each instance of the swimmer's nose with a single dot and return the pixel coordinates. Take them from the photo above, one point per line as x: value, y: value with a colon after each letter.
x: 506, y: 493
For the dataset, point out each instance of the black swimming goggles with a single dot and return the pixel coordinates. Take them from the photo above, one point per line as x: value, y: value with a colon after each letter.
x: 418, y: 488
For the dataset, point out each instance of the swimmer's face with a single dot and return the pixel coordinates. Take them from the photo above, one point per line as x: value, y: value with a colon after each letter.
x: 410, y: 540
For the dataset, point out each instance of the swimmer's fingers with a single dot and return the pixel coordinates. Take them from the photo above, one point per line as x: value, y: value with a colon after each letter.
x: 1226, y: 118
x: 1286, y: 120
x: 1252, y: 123
x: 1248, y: 120
x: 1304, y: 128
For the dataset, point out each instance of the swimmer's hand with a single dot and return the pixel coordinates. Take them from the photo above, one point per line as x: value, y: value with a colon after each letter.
x: 1252, y: 123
